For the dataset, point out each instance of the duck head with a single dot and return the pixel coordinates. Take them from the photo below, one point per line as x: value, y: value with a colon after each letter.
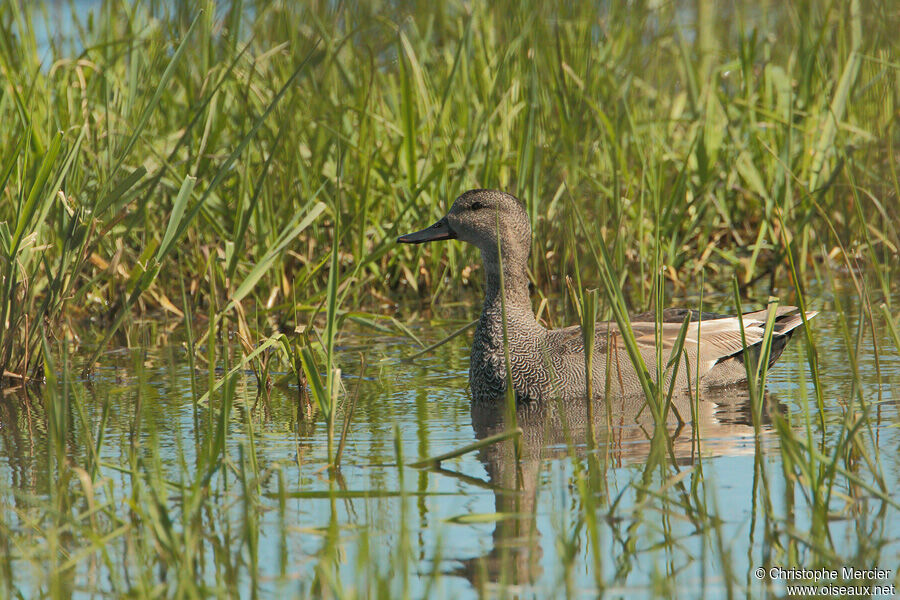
x: 477, y: 217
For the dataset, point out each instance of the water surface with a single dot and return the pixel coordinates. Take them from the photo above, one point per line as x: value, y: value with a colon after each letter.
x: 671, y: 513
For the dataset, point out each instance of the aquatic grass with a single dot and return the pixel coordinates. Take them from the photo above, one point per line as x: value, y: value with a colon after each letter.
x: 893, y: 326
x: 661, y: 503
x: 435, y: 461
x: 19, y: 323
x: 143, y: 278
x: 756, y: 365
x: 761, y: 146
x: 437, y: 117
x: 619, y: 310
x: 855, y: 423
x: 509, y: 396
x: 588, y: 312
x: 325, y: 393
x: 593, y: 491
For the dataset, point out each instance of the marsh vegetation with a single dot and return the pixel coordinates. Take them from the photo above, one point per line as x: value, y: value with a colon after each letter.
x: 213, y: 377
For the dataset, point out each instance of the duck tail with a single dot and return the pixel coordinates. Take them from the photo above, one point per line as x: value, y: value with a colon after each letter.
x: 787, y: 319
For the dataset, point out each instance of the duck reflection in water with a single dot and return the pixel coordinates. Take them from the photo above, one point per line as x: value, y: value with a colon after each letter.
x: 625, y: 434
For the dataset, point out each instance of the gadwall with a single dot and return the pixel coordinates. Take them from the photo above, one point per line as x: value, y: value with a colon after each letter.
x: 549, y: 363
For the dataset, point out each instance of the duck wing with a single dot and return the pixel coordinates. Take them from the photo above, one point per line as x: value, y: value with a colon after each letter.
x: 714, y: 337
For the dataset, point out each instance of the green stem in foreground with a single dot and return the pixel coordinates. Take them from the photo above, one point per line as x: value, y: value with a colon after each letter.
x: 510, y: 392
x: 589, y: 331
x: 620, y: 313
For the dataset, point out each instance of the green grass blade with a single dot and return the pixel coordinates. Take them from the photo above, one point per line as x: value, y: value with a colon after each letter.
x: 162, y: 86
x: 178, y: 208
x: 25, y: 215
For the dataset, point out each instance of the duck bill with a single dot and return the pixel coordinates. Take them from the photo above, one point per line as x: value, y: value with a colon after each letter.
x: 439, y: 231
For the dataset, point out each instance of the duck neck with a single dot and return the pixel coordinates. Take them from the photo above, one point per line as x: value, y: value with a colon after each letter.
x: 514, y: 291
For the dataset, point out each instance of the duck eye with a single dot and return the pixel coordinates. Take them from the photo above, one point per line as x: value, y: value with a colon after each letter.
x: 476, y: 205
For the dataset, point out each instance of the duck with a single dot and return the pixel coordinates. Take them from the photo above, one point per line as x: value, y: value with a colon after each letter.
x: 548, y: 363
